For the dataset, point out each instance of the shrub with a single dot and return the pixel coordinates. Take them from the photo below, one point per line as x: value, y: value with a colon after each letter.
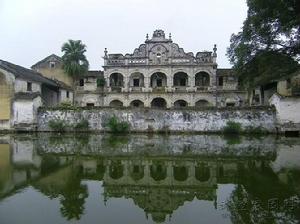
x: 232, y: 128
x: 82, y: 125
x: 58, y: 125
x: 255, y: 130
x: 117, y: 126
x: 66, y: 105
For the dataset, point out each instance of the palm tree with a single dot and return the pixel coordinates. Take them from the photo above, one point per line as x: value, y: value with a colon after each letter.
x: 75, y: 62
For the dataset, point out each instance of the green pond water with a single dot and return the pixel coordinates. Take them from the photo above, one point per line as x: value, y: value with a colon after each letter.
x: 52, y: 178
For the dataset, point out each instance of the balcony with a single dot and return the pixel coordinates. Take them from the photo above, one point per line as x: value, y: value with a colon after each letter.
x: 136, y: 89
x: 160, y: 89
x: 202, y: 88
x: 116, y: 89
x: 181, y: 88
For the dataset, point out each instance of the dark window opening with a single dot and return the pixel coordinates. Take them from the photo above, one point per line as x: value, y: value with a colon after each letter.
x: 68, y: 94
x: 182, y: 82
x: 29, y: 86
x: 220, y: 81
x: 288, y: 83
x: 52, y: 64
x: 136, y: 104
x: 159, y: 82
x: 81, y: 82
x: 90, y: 105
x: 136, y: 82
x: 230, y: 104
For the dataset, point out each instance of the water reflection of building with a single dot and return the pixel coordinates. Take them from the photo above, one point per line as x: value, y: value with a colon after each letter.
x: 159, y: 183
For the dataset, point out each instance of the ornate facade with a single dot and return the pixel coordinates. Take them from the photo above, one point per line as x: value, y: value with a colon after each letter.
x: 161, y: 74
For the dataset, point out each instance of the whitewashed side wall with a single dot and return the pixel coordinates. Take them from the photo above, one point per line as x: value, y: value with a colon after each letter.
x: 288, y: 111
x: 144, y: 120
x: 21, y: 86
x: 25, y: 111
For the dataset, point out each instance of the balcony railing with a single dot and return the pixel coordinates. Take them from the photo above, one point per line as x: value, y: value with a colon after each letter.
x: 136, y: 89
x: 116, y: 89
x: 180, y: 88
x: 202, y: 88
x: 160, y: 89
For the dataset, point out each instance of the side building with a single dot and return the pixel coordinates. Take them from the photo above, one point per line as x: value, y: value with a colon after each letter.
x: 22, y: 92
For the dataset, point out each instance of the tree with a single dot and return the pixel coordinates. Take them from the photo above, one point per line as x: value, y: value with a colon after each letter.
x: 268, y: 47
x: 75, y: 62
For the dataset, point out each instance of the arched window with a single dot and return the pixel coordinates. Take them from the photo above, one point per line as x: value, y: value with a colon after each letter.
x: 116, y: 103
x: 180, y: 79
x: 158, y: 79
x: 202, y: 79
x: 202, y: 103
x: 136, y: 80
x: 137, y: 104
x: 180, y: 104
x: 159, y: 103
x: 116, y: 80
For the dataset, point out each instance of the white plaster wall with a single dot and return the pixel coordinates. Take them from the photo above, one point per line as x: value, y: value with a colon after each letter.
x: 25, y: 111
x: 287, y: 108
x: 21, y: 86
x: 63, y: 96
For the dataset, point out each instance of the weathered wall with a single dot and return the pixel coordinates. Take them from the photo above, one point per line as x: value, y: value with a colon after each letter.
x: 165, y: 120
x: 56, y: 73
x: 25, y: 112
x: 287, y: 109
x: 21, y: 86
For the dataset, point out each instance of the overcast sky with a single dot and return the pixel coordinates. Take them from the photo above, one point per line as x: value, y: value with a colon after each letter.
x: 30, y: 30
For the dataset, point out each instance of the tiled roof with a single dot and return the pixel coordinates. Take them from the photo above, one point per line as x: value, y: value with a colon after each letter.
x: 25, y: 73
x: 46, y: 59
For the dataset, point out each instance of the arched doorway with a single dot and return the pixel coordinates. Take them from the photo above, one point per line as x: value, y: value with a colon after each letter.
x: 136, y: 80
x: 116, y: 81
x: 180, y: 79
x: 202, y: 103
x: 116, y: 103
x: 159, y: 103
x: 180, y: 104
x: 137, y: 104
x: 202, y: 80
x: 158, y: 79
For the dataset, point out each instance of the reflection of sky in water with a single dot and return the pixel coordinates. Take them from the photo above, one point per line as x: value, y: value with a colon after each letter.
x: 47, y: 180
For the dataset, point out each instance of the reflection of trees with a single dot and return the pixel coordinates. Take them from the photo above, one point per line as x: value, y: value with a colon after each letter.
x: 73, y: 196
x: 261, y: 198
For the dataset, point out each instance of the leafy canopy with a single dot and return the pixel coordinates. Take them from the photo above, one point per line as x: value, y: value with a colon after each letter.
x: 75, y: 62
x: 268, y: 47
